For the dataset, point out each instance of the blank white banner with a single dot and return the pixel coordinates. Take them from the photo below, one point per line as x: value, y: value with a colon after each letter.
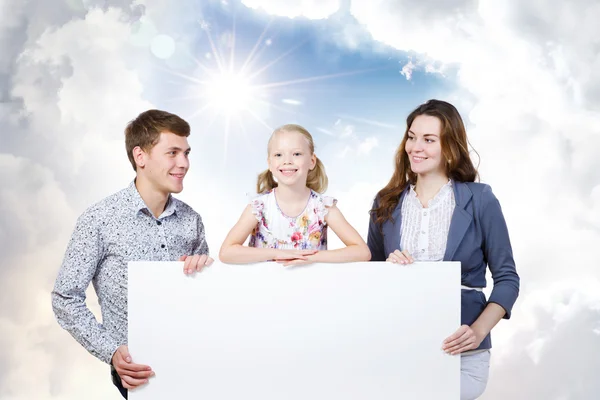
x: 353, y: 331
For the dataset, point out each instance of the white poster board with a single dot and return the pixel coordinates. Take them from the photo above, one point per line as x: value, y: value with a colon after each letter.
x: 352, y: 331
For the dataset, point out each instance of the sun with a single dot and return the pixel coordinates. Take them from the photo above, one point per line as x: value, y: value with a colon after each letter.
x: 234, y: 93
x: 229, y: 93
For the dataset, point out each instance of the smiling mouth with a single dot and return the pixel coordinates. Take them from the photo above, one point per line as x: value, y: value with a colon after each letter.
x: 178, y: 176
x: 288, y: 172
x: 419, y: 159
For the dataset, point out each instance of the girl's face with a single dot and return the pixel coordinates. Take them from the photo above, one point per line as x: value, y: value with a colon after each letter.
x: 423, y: 146
x: 290, y: 158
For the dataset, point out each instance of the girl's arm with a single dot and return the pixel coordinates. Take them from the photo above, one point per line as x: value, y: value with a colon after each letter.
x: 233, y: 250
x: 356, y: 249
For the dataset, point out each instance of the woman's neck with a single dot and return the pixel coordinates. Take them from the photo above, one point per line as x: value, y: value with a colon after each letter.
x: 428, y: 186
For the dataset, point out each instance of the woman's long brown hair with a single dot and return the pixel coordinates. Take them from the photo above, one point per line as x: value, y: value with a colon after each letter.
x: 455, y: 151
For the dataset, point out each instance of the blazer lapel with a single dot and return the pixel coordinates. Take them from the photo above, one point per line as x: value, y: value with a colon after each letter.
x: 461, y: 218
x: 391, y: 231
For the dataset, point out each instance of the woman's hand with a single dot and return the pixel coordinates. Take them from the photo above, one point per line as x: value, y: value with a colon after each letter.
x: 464, y: 339
x: 400, y: 257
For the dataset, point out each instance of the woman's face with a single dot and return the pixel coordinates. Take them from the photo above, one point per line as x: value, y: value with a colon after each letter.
x: 423, y: 146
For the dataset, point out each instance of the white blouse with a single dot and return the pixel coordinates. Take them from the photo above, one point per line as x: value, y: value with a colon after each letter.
x: 424, y: 231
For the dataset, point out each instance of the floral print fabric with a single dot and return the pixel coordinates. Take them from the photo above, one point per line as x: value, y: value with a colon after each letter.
x: 279, y: 231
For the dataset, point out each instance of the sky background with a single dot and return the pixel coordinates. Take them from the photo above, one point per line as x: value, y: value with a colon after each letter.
x: 525, y: 77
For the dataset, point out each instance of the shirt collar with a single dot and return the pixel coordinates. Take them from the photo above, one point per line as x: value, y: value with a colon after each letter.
x: 137, y: 204
x: 442, y: 193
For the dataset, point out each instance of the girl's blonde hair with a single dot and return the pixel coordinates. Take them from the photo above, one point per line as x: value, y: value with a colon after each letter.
x: 316, y: 179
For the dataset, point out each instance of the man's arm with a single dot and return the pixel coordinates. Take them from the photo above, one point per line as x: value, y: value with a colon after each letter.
x: 82, y: 257
x: 199, y: 258
x: 201, y: 246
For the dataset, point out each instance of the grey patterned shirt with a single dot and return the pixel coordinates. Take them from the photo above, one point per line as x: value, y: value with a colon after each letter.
x: 109, y: 234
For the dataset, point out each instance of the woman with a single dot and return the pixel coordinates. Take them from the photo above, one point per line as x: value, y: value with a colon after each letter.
x: 431, y: 210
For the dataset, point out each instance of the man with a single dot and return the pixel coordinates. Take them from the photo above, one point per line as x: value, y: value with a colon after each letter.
x: 140, y: 223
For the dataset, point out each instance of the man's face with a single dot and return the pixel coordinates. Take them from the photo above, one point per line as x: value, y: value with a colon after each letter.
x: 166, y: 164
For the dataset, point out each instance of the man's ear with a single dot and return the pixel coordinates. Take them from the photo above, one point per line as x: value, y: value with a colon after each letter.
x: 139, y: 156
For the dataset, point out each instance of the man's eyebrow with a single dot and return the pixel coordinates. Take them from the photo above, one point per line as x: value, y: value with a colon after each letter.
x: 178, y: 148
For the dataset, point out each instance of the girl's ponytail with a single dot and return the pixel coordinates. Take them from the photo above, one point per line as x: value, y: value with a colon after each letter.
x: 265, y: 182
x: 317, y: 178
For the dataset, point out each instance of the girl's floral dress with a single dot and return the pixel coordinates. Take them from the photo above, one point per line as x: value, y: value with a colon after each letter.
x: 279, y: 231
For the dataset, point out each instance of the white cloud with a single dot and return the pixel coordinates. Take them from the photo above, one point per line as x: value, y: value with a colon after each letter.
x: 407, y: 70
x: 556, y: 328
x: 73, y: 92
x: 35, y: 237
x: 367, y: 145
x: 292, y: 102
x: 348, y: 142
x: 313, y: 9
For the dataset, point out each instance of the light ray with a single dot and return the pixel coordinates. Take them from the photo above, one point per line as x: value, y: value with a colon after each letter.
x: 275, y: 61
x: 258, y: 42
x: 232, y: 52
x: 315, y: 78
x: 259, y: 119
x: 215, y: 51
x: 369, y: 121
x: 278, y: 107
x: 199, y: 111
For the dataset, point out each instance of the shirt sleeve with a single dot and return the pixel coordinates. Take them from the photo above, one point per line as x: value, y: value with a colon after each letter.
x: 201, y: 246
x: 83, y: 255
x: 498, y: 253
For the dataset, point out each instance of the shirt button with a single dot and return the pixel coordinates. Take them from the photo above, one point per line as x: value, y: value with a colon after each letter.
x: 425, y: 213
x: 162, y: 246
x: 423, y: 232
x: 158, y: 223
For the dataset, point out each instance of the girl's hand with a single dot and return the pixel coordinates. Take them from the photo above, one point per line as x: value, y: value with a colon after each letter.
x: 400, y: 257
x: 293, y: 254
x: 294, y: 262
x: 294, y: 257
x: 464, y: 339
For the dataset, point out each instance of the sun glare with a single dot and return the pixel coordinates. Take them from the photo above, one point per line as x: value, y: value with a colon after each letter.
x: 229, y: 93
x: 233, y: 90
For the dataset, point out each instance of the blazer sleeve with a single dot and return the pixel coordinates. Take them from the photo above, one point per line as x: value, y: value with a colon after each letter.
x: 375, y: 236
x: 498, y: 252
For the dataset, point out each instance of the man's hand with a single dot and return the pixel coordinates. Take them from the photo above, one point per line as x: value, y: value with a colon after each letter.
x: 195, y: 263
x: 132, y: 375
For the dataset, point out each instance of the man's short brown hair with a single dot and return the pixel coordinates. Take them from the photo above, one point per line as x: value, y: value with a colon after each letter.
x: 145, y: 130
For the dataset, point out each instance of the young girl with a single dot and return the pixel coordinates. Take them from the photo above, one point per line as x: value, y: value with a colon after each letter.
x: 288, y: 220
x: 431, y: 210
